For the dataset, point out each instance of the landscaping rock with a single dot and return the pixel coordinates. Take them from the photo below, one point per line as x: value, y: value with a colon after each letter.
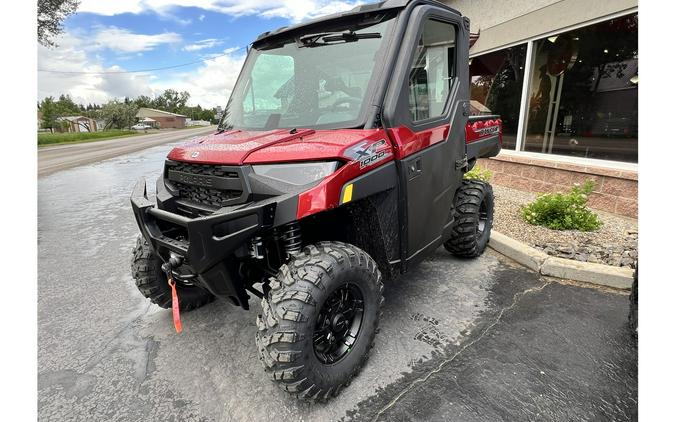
x: 581, y: 257
x: 615, y: 243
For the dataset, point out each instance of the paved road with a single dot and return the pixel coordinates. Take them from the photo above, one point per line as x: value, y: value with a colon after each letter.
x: 477, y: 340
x: 61, y: 157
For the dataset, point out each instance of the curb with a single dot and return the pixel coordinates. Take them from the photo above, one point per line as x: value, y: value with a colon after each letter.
x: 569, y: 269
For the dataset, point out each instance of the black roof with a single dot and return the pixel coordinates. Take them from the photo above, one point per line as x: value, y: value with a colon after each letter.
x: 372, y: 7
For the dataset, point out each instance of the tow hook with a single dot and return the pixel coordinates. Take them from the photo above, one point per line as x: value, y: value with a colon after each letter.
x: 174, y: 261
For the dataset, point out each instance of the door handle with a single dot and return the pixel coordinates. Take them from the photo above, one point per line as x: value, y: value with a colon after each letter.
x: 414, y: 169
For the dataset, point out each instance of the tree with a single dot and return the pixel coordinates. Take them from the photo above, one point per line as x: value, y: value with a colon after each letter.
x: 52, y: 110
x: 50, y: 17
x: 143, y: 101
x: 208, y: 115
x: 171, y: 100
x: 118, y: 114
x: 66, y: 106
x: 122, y: 117
x: 49, y: 114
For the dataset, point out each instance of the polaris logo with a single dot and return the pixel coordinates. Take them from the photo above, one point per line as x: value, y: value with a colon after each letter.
x: 191, y: 179
x: 490, y: 130
x: 195, y: 154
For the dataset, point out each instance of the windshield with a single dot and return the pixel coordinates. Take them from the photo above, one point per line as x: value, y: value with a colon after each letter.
x: 317, y: 80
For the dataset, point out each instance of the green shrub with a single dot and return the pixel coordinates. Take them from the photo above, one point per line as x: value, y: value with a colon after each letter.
x: 477, y: 173
x: 563, y: 211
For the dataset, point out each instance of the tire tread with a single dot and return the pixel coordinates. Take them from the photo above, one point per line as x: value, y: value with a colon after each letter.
x: 290, y: 292
x: 464, y: 241
x: 151, y: 282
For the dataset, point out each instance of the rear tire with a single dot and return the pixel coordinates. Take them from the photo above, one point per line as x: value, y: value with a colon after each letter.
x: 152, y: 283
x: 319, y: 320
x: 474, y: 212
x: 633, y: 304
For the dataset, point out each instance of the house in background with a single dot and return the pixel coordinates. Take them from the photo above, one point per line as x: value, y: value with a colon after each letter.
x: 190, y: 122
x: 39, y: 121
x: 77, y: 124
x: 100, y: 124
x: 150, y: 122
x: 163, y: 119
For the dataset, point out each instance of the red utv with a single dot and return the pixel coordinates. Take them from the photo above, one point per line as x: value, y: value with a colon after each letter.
x: 338, y: 163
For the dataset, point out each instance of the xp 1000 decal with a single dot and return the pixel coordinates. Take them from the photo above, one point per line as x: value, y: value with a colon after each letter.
x: 368, y: 154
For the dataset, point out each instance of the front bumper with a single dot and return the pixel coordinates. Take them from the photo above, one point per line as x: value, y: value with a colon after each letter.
x: 207, y: 243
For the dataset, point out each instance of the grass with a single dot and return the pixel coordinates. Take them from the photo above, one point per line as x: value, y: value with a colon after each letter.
x: 77, y: 137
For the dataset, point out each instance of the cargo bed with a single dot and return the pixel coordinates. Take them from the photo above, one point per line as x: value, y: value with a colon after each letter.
x: 483, y: 137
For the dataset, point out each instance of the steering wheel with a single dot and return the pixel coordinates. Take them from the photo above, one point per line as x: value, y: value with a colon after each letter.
x: 346, y: 100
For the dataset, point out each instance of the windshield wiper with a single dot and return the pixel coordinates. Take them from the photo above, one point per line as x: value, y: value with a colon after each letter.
x: 319, y: 40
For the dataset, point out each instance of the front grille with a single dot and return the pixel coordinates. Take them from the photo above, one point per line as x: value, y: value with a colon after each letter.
x: 204, y: 169
x: 191, y: 190
x: 205, y: 196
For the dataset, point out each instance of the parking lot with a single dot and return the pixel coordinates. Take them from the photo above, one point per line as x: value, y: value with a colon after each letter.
x: 463, y: 340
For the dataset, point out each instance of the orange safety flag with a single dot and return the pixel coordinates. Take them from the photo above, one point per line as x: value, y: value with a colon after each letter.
x: 174, y: 306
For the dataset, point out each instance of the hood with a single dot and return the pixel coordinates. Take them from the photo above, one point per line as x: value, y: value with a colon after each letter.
x: 238, y: 147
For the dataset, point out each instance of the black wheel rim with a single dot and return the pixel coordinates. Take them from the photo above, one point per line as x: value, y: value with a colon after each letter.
x: 482, y: 218
x: 338, y: 324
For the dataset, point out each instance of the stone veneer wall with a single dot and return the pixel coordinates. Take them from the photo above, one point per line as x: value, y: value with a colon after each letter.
x: 616, y: 191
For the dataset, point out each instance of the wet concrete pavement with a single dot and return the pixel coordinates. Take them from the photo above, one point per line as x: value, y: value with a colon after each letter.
x: 61, y: 157
x: 460, y: 340
x: 557, y: 353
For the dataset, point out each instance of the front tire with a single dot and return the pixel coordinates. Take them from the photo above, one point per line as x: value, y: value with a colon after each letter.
x: 319, y: 320
x: 474, y: 212
x: 152, y: 282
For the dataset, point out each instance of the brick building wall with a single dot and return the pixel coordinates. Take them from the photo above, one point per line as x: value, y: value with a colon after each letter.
x: 615, y: 191
x: 170, y: 122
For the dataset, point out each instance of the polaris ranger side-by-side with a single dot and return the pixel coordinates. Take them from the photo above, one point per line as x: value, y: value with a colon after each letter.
x: 338, y: 163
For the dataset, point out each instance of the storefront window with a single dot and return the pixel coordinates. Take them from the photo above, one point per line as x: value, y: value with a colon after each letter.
x: 583, y: 94
x: 496, y: 87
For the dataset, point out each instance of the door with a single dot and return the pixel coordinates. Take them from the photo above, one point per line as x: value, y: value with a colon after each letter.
x: 426, y: 112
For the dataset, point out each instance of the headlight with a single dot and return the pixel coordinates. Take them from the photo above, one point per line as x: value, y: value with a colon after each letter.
x: 296, y: 174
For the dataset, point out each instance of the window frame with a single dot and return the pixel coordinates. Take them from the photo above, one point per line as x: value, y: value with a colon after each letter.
x: 396, y: 104
x: 452, y: 76
x: 523, y: 92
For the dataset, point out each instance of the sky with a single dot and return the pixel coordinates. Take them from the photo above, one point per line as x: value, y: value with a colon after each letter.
x: 127, y: 35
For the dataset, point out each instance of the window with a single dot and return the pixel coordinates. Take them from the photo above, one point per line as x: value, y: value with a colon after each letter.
x: 270, y: 88
x: 313, y: 80
x: 433, y: 70
x: 583, y: 92
x: 496, y: 88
